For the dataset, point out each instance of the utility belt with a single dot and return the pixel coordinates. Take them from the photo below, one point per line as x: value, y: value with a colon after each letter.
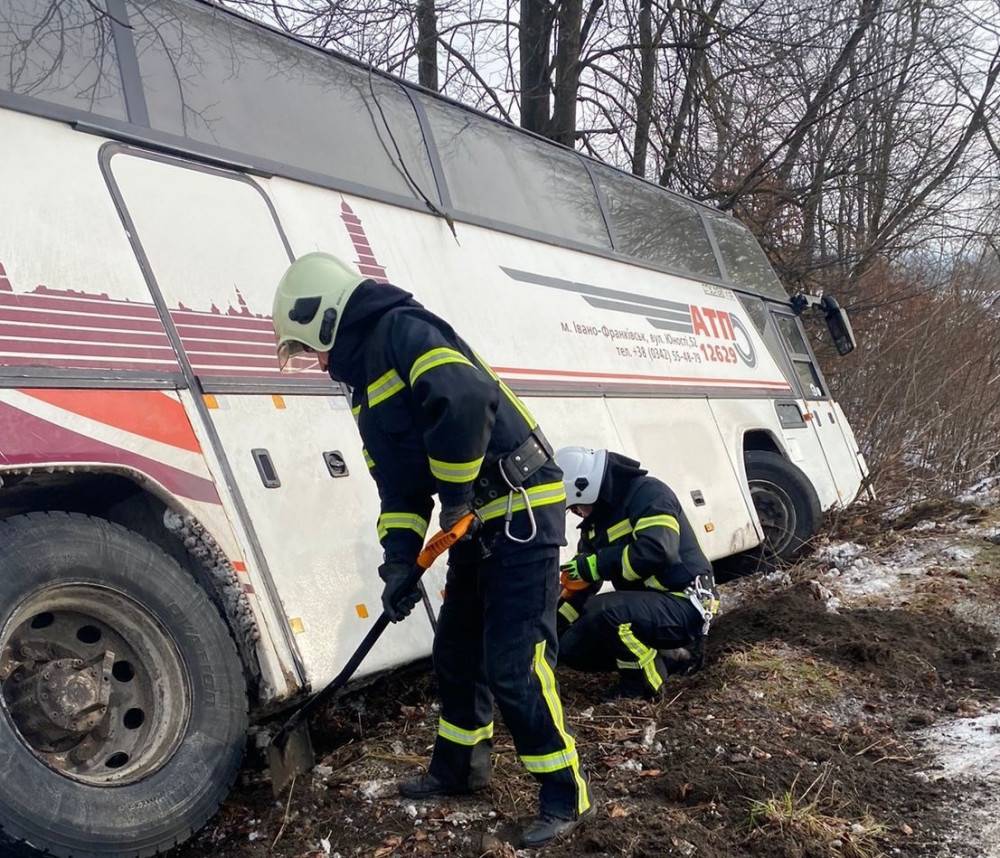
x: 505, y: 477
x: 702, y: 595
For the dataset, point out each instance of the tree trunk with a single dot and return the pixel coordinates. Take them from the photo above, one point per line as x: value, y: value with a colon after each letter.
x: 562, y: 128
x: 700, y: 40
x: 427, y: 39
x: 536, y: 31
x: 644, y: 98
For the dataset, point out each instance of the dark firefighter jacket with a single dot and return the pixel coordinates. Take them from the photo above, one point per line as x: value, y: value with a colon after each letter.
x: 640, y: 535
x: 433, y: 417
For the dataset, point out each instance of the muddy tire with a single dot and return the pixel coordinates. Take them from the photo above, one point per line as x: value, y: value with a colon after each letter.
x: 788, y: 509
x: 123, y: 712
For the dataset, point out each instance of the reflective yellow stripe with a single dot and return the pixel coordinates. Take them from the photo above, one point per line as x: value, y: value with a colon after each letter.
x: 544, y: 763
x: 569, y: 612
x: 617, y: 531
x: 455, y: 472
x: 435, y: 358
x: 654, y: 584
x: 628, y: 573
x: 547, y: 679
x: 511, y: 396
x: 658, y: 521
x: 369, y: 461
x: 460, y: 736
x: 645, y: 656
x: 401, y: 521
x: 355, y: 411
x: 383, y: 387
x: 543, y: 495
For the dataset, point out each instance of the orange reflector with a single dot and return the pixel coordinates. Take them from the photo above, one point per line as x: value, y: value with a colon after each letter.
x: 297, y: 625
x: 239, y: 566
x: 210, y: 400
x: 278, y: 400
x: 807, y: 416
x: 709, y: 527
x: 362, y: 611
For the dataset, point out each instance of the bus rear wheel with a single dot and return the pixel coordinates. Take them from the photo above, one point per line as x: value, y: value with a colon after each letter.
x: 123, y: 706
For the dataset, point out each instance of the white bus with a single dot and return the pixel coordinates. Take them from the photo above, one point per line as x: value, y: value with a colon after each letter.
x: 187, y: 538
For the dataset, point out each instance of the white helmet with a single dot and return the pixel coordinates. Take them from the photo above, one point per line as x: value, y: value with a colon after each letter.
x: 583, y: 473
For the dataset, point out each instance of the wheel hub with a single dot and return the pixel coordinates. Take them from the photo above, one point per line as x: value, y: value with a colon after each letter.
x: 93, y: 684
x: 62, y: 699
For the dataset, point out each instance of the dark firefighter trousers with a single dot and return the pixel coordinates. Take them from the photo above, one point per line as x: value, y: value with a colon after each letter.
x: 624, y: 630
x: 496, y: 641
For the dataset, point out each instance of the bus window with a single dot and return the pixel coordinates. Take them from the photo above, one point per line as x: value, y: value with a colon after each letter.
x: 655, y: 226
x: 802, y: 359
x: 746, y: 264
x: 62, y: 53
x: 217, y: 79
x: 496, y: 173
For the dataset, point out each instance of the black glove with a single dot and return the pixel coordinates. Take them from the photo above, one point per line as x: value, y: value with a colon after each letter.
x: 397, y: 602
x: 451, y: 514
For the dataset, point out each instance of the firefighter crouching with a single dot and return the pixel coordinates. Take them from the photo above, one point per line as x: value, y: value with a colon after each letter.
x: 635, y: 535
x: 435, y: 419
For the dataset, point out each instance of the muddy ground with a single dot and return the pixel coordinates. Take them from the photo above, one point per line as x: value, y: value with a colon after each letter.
x: 847, y: 710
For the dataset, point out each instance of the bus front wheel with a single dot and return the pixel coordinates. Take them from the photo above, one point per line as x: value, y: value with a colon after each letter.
x: 785, y: 501
x: 123, y: 705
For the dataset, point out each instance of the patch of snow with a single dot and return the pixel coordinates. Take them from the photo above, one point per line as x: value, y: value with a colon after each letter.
x: 967, y: 752
x: 983, y: 493
x: 376, y: 788
x: 926, y: 524
x: 959, y: 553
x: 840, y: 554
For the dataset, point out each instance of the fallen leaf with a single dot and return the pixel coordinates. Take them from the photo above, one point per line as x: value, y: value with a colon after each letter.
x: 389, y: 845
x: 650, y: 773
x: 616, y: 811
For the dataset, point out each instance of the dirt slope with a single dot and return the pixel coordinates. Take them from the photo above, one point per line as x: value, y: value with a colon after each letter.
x: 846, y: 711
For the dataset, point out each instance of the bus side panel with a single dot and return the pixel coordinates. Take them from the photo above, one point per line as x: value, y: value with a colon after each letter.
x: 677, y: 440
x: 318, y: 529
x: 800, y: 445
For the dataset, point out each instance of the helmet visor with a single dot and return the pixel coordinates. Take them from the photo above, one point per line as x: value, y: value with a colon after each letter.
x: 294, y: 356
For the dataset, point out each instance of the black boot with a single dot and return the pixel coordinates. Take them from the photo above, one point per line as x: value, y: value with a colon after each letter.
x: 429, y: 786
x: 547, y: 828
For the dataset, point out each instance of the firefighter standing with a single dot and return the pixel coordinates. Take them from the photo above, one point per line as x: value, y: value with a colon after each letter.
x: 635, y: 535
x: 435, y: 419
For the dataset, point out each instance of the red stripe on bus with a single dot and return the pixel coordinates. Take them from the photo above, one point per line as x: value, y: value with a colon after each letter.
x: 149, y: 413
x: 742, y: 382
x: 30, y: 440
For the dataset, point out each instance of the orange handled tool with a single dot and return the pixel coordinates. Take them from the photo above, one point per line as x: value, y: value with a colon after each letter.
x: 571, y: 585
x: 290, y: 752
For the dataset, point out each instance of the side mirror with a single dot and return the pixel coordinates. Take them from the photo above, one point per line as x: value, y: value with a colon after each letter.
x: 837, y: 321
x: 839, y: 325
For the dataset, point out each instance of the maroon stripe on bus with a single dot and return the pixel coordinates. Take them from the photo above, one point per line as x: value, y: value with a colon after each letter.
x: 101, y: 305
x: 11, y: 314
x: 195, y: 348
x: 68, y: 334
x: 192, y: 317
x: 85, y: 349
x: 190, y: 332
x: 72, y: 362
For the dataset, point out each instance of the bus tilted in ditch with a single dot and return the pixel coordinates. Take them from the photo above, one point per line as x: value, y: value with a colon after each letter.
x: 187, y: 537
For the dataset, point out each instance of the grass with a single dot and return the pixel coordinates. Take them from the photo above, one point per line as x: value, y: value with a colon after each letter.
x: 788, y: 677
x: 806, y: 818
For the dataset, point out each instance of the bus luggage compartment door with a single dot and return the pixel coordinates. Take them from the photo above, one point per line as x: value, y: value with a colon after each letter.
x: 213, y: 251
